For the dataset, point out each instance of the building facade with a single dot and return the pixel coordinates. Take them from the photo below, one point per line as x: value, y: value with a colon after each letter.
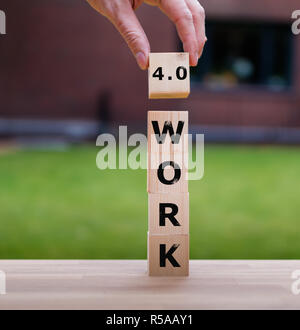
x: 60, y: 60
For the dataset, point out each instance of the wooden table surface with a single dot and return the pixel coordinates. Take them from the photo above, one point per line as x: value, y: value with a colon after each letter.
x: 124, y: 284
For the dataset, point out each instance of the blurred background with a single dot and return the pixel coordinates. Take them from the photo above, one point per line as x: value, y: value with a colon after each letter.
x: 66, y: 76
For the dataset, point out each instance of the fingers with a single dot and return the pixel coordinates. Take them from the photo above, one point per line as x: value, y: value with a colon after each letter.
x: 121, y: 14
x: 199, y: 23
x: 187, y: 15
x: 180, y: 14
x: 130, y: 28
x: 136, y: 3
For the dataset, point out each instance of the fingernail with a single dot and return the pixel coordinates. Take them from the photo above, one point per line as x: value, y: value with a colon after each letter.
x: 141, y: 60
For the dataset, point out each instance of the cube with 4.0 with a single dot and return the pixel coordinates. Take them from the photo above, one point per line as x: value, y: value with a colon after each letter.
x: 169, y: 75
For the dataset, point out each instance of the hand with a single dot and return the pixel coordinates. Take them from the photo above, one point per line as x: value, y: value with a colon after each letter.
x: 187, y: 15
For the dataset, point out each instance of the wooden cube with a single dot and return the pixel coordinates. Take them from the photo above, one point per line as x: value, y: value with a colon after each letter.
x: 167, y: 151
x: 168, y: 131
x: 168, y: 214
x: 168, y: 255
x: 169, y: 177
x: 169, y: 75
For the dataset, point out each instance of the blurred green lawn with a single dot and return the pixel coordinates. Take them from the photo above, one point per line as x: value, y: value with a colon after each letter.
x: 59, y: 205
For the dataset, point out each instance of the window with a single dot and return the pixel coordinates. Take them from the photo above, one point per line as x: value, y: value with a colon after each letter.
x: 245, y: 54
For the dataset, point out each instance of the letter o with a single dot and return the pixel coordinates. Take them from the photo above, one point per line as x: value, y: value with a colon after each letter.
x: 160, y: 172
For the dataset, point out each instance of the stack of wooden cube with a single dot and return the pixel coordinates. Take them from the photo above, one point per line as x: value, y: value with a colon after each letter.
x: 168, y: 196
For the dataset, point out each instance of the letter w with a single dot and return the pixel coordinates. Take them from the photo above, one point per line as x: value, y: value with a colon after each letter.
x: 168, y: 127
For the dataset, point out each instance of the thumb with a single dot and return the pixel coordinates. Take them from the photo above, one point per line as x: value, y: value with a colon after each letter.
x: 126, y: 22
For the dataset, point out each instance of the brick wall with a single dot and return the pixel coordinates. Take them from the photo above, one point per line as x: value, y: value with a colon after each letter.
x: 59, y: 56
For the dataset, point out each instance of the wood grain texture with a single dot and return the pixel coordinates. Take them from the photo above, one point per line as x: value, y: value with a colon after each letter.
x: 180, y: 243
x: 161, y: 117
x: 169, y: 86
x: 124, y: 284
x: 167, y: 144
x: 167, y: 151
x: 158, y: 202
